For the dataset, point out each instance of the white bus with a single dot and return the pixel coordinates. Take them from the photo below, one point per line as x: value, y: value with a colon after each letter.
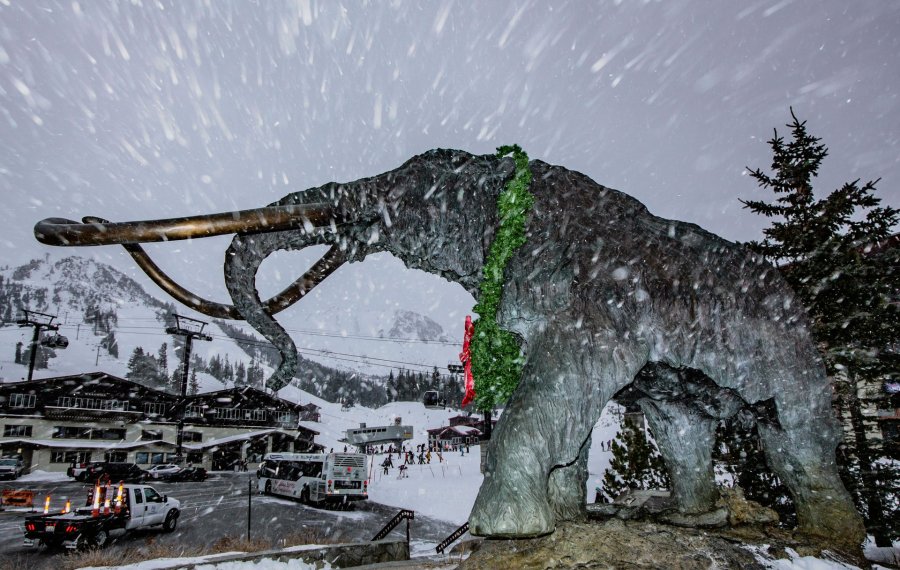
x: 315, y: 478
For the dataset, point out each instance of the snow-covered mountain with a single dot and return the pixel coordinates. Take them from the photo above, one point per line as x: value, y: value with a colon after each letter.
x: 412, y: 325
x: 92, y: 300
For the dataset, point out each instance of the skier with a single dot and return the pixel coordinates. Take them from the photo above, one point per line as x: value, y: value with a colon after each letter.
x: 403, y: 474
x: 387, y: 463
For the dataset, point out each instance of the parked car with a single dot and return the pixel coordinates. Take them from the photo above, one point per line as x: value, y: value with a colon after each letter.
x: 116, y: 472
x: 157, y: 471
x: 185, y: 474
x: 80, y: 470
x: 11, y: 467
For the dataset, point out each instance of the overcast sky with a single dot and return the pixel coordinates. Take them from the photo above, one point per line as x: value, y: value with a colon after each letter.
x: 147, y: 109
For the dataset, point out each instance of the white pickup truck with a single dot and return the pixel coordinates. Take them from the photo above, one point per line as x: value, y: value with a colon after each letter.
x: 110, y: 512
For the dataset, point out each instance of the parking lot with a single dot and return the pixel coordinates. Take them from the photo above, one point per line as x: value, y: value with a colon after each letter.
x: 215, y: 510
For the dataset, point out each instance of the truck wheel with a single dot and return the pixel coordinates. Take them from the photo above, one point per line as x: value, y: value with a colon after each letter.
x: 171, y: 521
x: 268, y: 488
x: 100, y: 539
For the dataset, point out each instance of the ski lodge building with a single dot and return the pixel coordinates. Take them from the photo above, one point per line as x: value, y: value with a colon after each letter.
x: 55, y: 422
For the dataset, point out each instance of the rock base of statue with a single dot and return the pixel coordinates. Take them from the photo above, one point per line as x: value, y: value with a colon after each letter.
x: 617, y: 543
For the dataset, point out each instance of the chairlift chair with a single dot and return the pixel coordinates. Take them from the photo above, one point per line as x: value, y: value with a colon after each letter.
x: 432, y: 400
x: 55, y: 341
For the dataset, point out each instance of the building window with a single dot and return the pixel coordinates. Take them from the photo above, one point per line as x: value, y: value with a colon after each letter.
x: 255, y: 415
x: 91, y: 403
x: 16, y: 431
x: 70, y: 457
x: 142, y: 458
x: 116, y: 456
x: 193, y: 412
x: 117, y: 434
x: 151, y: 435
x: 195, y: 457
x: 78, y: 432
x: 21, y: 400
x: 157, y: 458
x: 192, y: 437
x: 155, y: 408
x: 286, y: 417
x: 228, y: 413
x: 71, y: 432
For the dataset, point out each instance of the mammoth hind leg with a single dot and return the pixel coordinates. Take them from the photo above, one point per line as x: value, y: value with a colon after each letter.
x: 686, y: 439
x: 805, y: 461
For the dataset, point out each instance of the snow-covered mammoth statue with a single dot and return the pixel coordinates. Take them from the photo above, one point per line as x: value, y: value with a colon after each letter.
x: 603, y: 293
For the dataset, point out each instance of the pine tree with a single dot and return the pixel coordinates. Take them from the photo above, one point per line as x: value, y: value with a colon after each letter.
x: 194, y: 384
x: 635, y: 463
x: 162, y: 360
x: 391, y: 387
x: 133, y: 360
x: 830, y: 252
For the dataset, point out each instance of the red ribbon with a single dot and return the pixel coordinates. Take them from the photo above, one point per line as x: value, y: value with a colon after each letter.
x: 466, y: 358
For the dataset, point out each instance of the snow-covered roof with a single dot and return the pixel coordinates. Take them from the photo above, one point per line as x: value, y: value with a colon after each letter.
x: 456, y: 430
x: 57, y: 443
x: 236, y: 437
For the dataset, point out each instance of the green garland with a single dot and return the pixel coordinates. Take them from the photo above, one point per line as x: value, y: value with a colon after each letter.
x: 496, y: 355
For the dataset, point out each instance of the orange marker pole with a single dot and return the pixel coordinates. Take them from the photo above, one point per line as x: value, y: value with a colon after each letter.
x: 106, y: 499
x: 68, y: 506
x: 119, y: 497
x: 95, y: 507
x: 47, y: 505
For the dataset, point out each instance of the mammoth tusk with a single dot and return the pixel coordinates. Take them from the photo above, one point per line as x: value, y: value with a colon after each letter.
x: 321, y: 269
x: 96, y: 231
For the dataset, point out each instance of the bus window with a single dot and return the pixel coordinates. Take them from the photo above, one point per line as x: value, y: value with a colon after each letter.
x: 311, y: 468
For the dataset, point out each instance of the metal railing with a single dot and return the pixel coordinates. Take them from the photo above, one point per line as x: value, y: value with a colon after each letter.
x: 454, y: 536
x: 404, y: 514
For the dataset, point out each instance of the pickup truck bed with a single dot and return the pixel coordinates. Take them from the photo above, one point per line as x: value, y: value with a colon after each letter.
x: 139, y: 506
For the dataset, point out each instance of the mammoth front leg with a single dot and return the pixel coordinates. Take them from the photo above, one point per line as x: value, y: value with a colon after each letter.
x: 545, y: 426
x: 686, y: 440
x: 567, y: 487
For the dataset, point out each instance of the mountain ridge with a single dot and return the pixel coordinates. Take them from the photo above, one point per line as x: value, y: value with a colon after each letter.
x: 93, y: 300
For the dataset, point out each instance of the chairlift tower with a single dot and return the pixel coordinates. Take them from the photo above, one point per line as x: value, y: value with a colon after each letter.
x: 190, y: 329
x: 40, y: 321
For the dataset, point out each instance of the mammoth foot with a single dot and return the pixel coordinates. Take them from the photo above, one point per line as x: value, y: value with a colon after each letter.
x: 507, y: 510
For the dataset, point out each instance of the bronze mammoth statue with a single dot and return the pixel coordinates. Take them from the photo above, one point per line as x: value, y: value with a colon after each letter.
x: 605, y: 298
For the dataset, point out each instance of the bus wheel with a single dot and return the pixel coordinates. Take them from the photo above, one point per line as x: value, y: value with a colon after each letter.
x: 268, y: 488
x: 304, y: 496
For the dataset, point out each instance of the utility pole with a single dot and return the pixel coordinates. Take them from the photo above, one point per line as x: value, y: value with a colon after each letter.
x: 38, y: 321
x: 190, y: 329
